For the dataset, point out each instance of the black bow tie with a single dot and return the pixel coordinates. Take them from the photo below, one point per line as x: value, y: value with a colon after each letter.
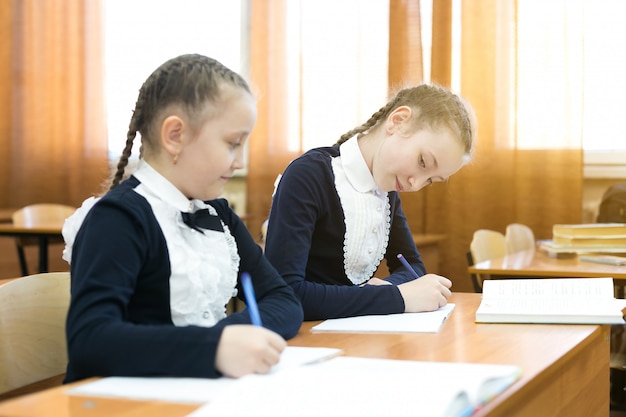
x: 202, y: 219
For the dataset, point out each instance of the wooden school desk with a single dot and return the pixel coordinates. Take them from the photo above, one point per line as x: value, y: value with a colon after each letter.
x: 565, y: 367
x: 534, y: 263
x: 42, y: 233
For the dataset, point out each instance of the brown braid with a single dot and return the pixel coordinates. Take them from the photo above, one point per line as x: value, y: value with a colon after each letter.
x: 433, y: 106
x: 189, y: 81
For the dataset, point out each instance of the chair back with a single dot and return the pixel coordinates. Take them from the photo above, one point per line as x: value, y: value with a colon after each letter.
x: 519, y: 237
x: 486, y: 244
x: 33, y: 310
x: 42, y: 215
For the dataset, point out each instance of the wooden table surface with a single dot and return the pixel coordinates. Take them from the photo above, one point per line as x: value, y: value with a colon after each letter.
x: 536, y: 263
x: 565, y: 367
x: 50, y: 229
x: 43, y: 232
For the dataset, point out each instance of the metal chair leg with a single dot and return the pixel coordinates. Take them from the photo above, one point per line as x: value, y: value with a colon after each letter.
x: 21, y: 256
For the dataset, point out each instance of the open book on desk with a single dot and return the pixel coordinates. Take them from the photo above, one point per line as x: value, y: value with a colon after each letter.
x: 555, y: 300
x: 350, y: 386
x: 425, y: 322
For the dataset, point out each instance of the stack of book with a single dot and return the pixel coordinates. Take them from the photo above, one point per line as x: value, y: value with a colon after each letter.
x: 586, y: 238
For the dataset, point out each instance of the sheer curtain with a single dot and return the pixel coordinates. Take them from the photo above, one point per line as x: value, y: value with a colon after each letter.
x: 511, y: 179
x: 527, y: 166
x: 54, y: 145
x: 317, y: 74
x: 268, y: 148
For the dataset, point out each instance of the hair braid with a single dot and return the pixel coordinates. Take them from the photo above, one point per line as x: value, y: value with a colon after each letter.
x: 381, y: 114
x: 434, y: 107
x: 130, y: 138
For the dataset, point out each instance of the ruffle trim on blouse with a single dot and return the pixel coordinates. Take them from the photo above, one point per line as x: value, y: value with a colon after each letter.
x: 204, y: 270
x: 367, y: 219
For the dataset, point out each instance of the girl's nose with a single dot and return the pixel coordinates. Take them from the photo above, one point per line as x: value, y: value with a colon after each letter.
x: 238, y: 162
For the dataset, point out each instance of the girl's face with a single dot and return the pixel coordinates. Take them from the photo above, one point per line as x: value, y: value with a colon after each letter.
x: 208, y: 160
x: 409, y: 163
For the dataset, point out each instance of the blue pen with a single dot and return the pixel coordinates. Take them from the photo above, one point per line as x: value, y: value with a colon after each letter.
x: 407, y: 265
x: 248, y: 292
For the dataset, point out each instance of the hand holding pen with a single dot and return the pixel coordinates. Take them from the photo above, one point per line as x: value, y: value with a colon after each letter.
x: 427, y: 293
x: 245, y: 349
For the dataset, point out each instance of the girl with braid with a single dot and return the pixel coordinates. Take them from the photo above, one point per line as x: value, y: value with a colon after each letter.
x: 155, y: 260
x: 336, y: 212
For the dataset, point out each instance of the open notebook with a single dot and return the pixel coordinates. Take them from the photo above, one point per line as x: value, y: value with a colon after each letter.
x: 349, y: 386
x: 550, y: 300
x: 339, y: 386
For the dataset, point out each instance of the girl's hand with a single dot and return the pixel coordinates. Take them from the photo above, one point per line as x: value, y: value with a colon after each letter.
x: 244, y: 349
x: 428, y: 293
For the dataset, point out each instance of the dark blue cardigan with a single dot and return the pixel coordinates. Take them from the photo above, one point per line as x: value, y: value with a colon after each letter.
x: 119, y: 321
x: 305, y: 243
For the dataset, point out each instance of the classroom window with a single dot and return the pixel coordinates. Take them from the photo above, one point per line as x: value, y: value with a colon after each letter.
x: 142, y: 34
x: 576, y: 47
x: 575, y: 50
x: 337, y: 69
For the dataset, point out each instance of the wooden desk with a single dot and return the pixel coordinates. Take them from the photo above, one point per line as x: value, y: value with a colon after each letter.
x: 565, y: 367
x: 535, y: 263
x: 43, y: 233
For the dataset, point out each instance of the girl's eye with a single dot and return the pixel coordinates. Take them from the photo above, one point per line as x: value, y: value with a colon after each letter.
x: 423, y: 163
x: 235, y: 145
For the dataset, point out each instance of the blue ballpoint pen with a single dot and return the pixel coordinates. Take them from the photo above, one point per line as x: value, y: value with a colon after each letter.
x: 408, y: 266
x: 248, y: 292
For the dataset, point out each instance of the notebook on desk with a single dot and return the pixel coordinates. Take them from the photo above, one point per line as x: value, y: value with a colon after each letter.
x: 192, y: 390
x: 425, y: 322
x: 315, y: 382
x: 347, y: 386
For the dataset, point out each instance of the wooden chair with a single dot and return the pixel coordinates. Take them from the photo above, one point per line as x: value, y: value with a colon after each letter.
x: 38, y: 215
x: 33, y: 352
x: 486, y: 244
x: 519, y: 237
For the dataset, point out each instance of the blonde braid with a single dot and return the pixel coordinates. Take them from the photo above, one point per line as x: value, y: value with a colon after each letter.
x: 381, y: 114
x: 433, y: 106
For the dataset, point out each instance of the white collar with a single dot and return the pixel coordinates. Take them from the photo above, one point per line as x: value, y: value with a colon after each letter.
x: 355, y: 167
x: 164, y: 189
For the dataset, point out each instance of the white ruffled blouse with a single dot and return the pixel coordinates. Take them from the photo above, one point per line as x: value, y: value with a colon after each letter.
x: 366, y: 211
x: 204, y: 265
